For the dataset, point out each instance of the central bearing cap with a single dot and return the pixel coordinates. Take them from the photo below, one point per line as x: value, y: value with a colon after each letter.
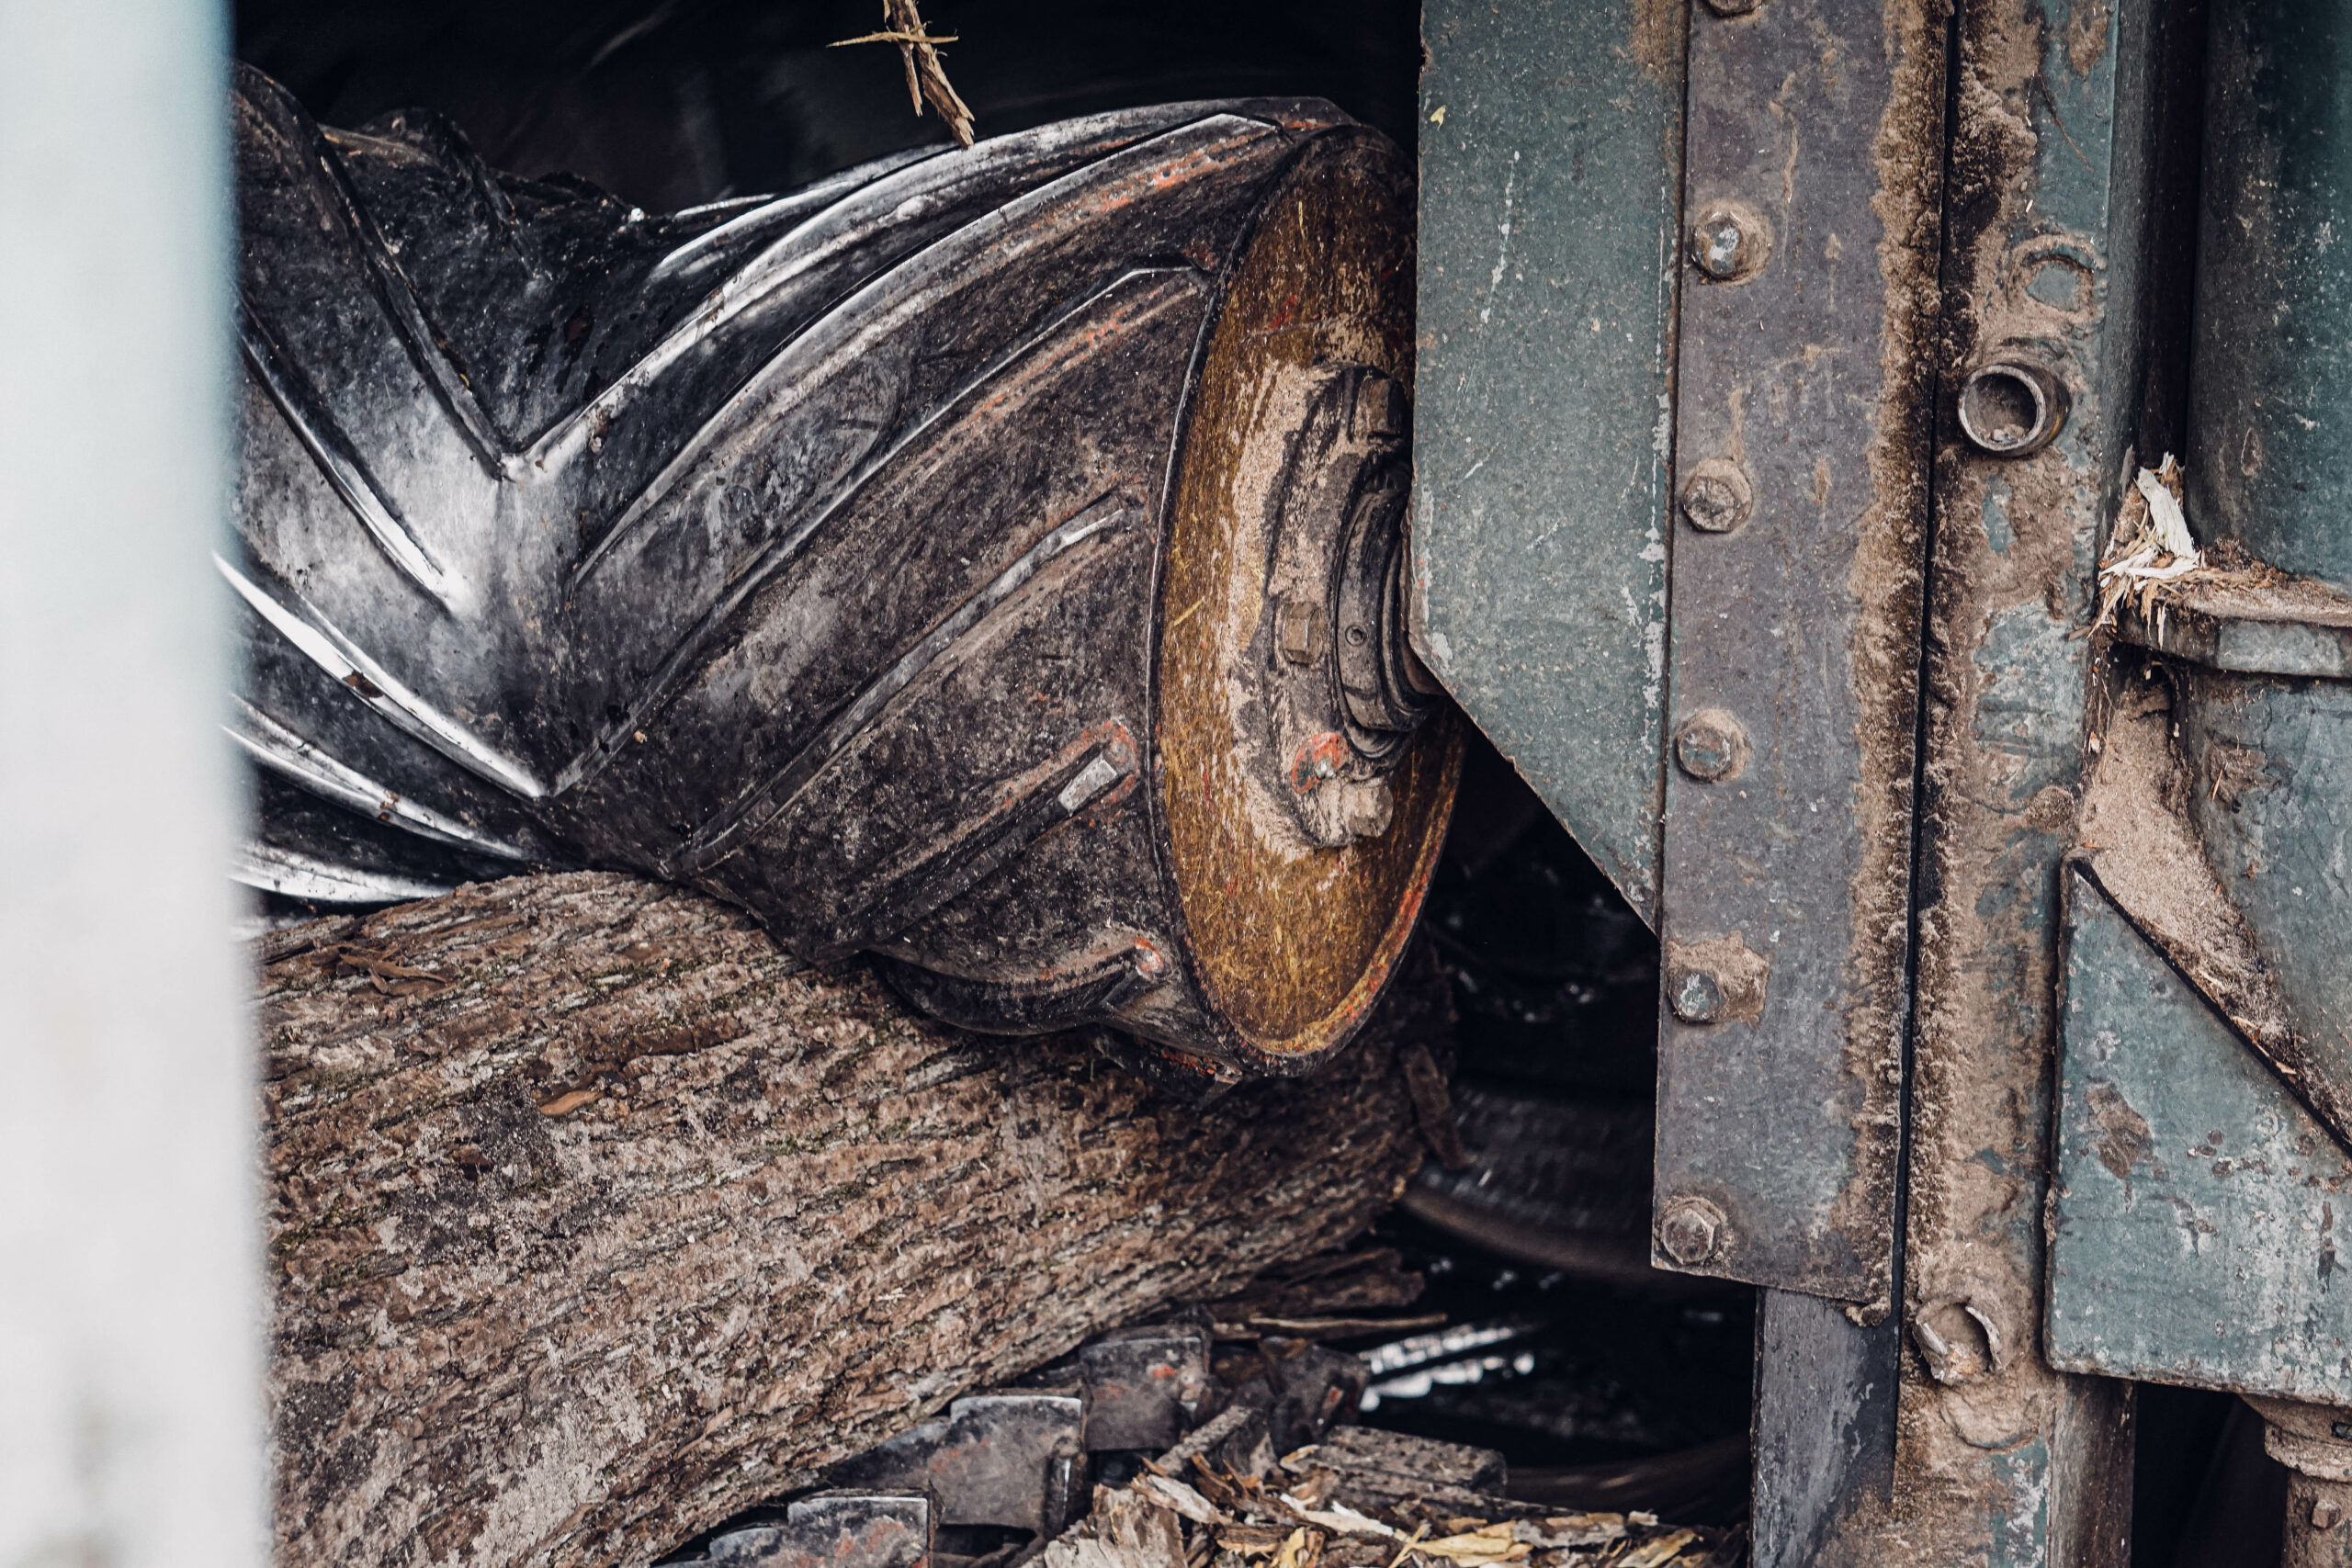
x: 1342, y: 692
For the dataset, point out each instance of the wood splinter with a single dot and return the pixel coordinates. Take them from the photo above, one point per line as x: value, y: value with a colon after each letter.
x: 926, y: 78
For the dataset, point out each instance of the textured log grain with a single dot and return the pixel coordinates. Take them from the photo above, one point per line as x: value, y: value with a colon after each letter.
x: 592, y: 1221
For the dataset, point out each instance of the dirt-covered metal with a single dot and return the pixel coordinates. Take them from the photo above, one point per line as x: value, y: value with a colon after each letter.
x: 2193, y: 1220
x: 1810, y: 176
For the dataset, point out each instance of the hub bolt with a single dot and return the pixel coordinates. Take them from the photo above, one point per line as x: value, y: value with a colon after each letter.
x: 1691, y: 1231
x: 1711, y: 746
x: 1729, y: 242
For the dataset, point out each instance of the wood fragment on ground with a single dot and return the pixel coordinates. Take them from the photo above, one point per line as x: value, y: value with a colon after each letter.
x: 1290, y: 1515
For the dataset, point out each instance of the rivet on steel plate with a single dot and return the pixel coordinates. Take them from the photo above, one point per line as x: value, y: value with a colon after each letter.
x: 1729, y: 242
x: 1732, y: 7
x: 1711, y: 746
x: 1716, y: 497
x: 1691, y: 1230
x: 2325, y: 1514
x: 2011, y: 408
x: 1696, y: 997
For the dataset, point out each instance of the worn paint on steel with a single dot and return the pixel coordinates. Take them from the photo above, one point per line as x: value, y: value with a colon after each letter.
x: 1551, y: 141
x: 2270, y: 771
x: 1816, y: 134
x: 2270, y: 450
x: 1999, y: 1460
x: 2194, y: 1219
x: 1826, y: 1404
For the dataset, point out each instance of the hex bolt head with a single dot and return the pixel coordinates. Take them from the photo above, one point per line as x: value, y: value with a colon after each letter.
x: 1729, y: 242
x: 1691, y: 1230
x: 2325, y: 1514
x: 1298, y: 630
x: 1711, y: 746
x: 1367, y: 807
x: 2012, y: 408
x: 1696, y: 996
x: 1716, y: 497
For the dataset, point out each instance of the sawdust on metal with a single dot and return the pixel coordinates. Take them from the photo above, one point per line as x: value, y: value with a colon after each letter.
x: 2151, y: 548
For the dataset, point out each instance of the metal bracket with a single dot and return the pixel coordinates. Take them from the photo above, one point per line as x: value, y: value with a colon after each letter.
x: 846, y: 1528
x: 1015, y: 1459
x: 1796, y: 574
x: 1144, y: 1387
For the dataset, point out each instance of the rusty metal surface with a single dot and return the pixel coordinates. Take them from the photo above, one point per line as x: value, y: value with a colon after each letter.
x: 2000, y: 1460
x: 2308, y: 1441
x: 847, y: 1529
x: 1293, y: 449
x: 1550, y: 138
x: 2196, y: 1204
x: 1144, y: 1386
x: 1809, y: 180
x: 1016, y: 1458
x: 2204, y: 1071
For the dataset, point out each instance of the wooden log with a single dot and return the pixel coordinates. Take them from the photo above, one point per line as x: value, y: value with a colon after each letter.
x: 595, y: 1219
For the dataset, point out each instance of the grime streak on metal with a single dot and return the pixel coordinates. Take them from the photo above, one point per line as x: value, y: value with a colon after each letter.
x: 1813, y: 149
x: 2001, y: 1460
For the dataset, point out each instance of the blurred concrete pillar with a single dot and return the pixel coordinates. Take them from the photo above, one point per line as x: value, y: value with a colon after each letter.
x: 130, y: 1411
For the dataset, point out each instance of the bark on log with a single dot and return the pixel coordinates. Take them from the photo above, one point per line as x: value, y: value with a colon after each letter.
x: 592, y: 1222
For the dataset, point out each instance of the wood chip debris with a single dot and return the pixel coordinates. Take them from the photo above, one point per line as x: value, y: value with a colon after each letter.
x: 1665, y: 1549
x: 919, y: 53
x: 1285, y: 1518
x: 2150, y: 549
x: 1175, y: 1495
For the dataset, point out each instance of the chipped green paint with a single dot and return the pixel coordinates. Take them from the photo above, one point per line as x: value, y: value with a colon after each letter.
x: 2272, y: 793
x: 1550, y: 156
x: 2194, y: 1221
